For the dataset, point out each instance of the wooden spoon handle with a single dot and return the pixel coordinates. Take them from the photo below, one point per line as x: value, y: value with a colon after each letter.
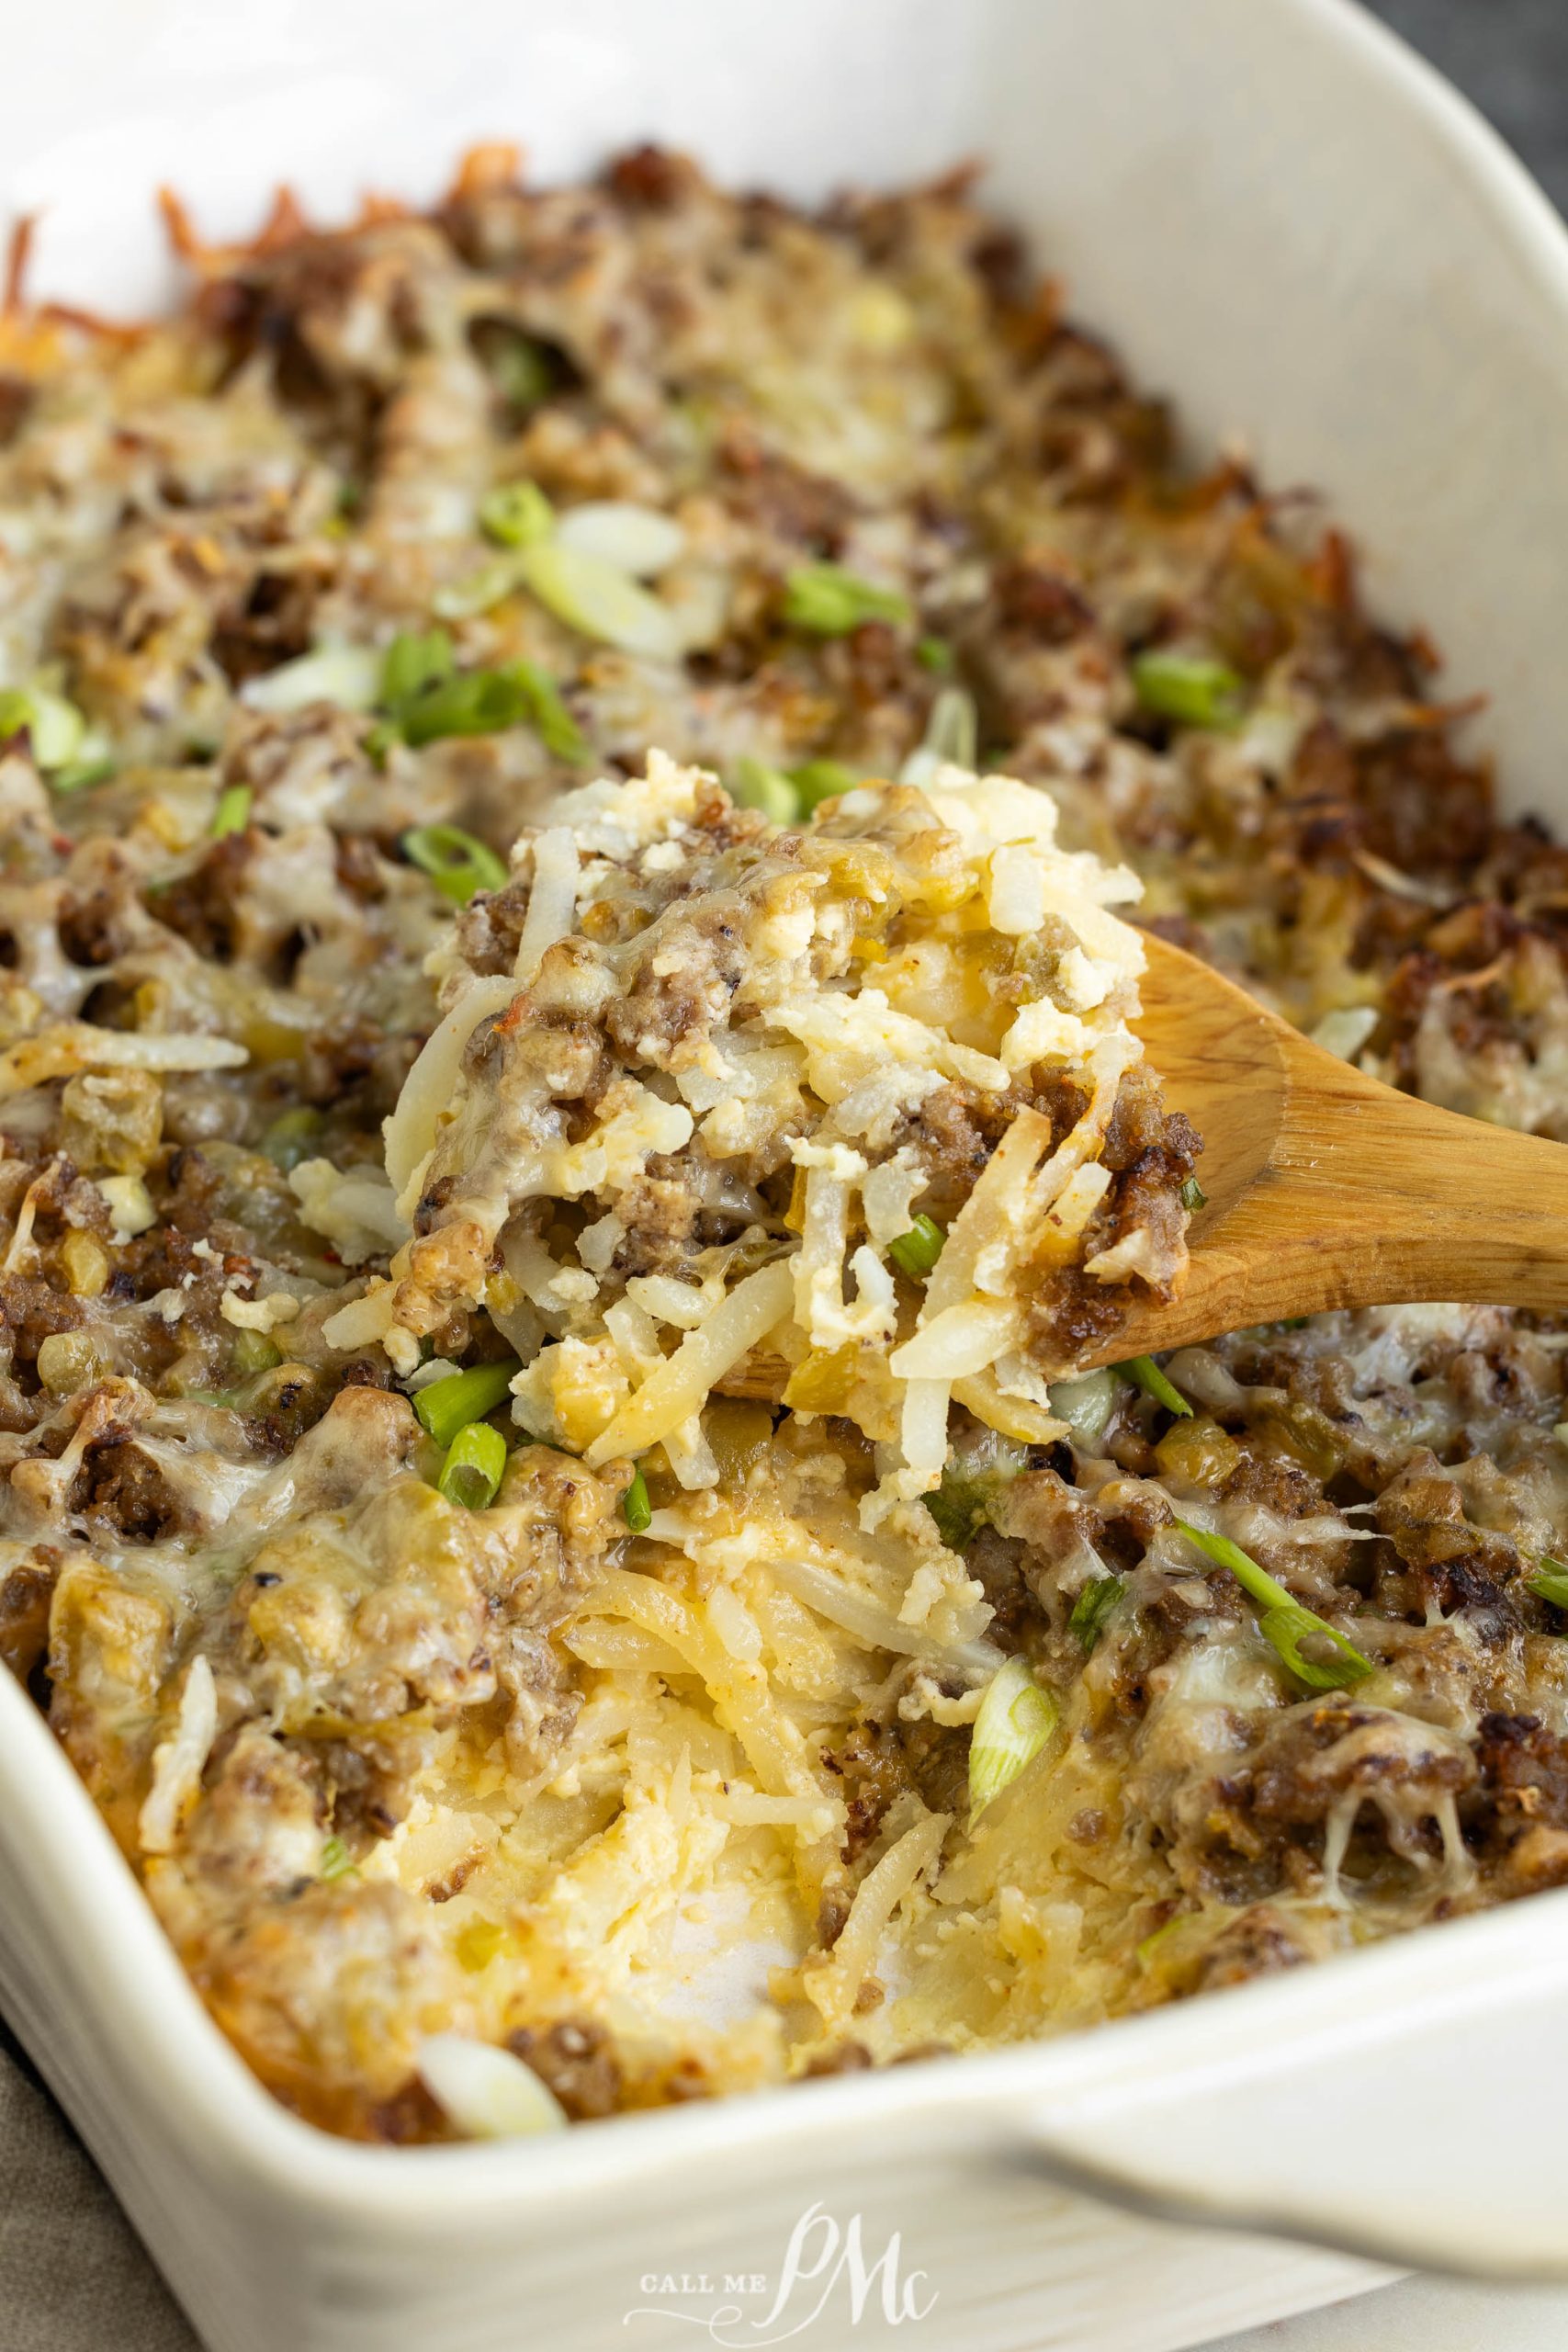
x: 1369, y: 1198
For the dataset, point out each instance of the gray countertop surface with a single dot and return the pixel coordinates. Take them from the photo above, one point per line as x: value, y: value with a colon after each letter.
x: 1512, y: 58
x: 72, y: 2278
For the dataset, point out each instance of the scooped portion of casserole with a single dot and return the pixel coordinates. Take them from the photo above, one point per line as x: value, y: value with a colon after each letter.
x: 537, y: 1482
x: 699, y: 1075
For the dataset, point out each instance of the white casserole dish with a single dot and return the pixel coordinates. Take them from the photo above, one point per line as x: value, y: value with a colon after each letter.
x: 1301, y: 233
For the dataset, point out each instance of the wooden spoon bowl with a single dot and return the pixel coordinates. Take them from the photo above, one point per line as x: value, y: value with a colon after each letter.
x: 1327, y: 1189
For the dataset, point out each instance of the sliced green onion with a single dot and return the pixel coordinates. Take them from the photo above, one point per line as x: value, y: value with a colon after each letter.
x: 953, y: 730
x: 348, y: 675
x: 820, y: 780
x: 1549, y: 1582
x: 81, y: 775
x: 917, y: 1251
x: 485, y: 2091
x: 336, y: 1859
x: 1284, y: 1621
x: 1193, y: 1196
x: 1016, y: 1719
x: 1287, y: 1627
x: 640, y: 539
x: 1145, y: 1373
x: 479, y: 592
x: 517, y: 513
x: 1188, y: 688
x: 1345, y: 1032
x: 1154, y: 1947
x: 636, y: 1506
x: 415, y: 661
x: 546, y: 713
x: 293, y: 1136
x: 233, y: 813
x: 481, y: 702
x: 591, y: 595
x: 55, y: 728
x: 449, y: 1404
x: 1086, y: 1406
x: 457, y: 864
x: 935, y: 654
x: 951, y: 739
x: 828, y: 601
x: 487, y: 702
x: 475, y: 1464
x: 1092, y: 1607
x: 754, y: 784
x: 521, y: 369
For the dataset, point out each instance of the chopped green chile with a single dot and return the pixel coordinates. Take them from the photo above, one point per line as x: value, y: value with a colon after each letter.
x: 253, y: 1352
x: 475, y: 1465
x: 1549, y: 1582
x: 1193, y: 1196
x: 457, y: 864
x: 935, y: 654
x: 293, y: 1136
x: 754, y: 784
x: 1086, y: 1406
x: 636, y: 1508
x: 971, y: 1486
x: 819, y: 780
x: 1188, y: 688
x: 1016, y: 1719
x: 1145, y: 1373
x: 1282, y: 1619
x: 917, y: 1251
x: 233, y: 813
x: 517, y: 513
x: 1092, y: 1607
x: 958, y: 1508
x: 336, y: 1860
x: 827, y: 601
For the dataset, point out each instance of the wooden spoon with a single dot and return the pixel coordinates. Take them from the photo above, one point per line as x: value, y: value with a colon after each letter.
x: 1325, y: 1188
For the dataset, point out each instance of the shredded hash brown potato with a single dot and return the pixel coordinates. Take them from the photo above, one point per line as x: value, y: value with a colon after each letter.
x: 707, y: 1092
x: 596, y: 1733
